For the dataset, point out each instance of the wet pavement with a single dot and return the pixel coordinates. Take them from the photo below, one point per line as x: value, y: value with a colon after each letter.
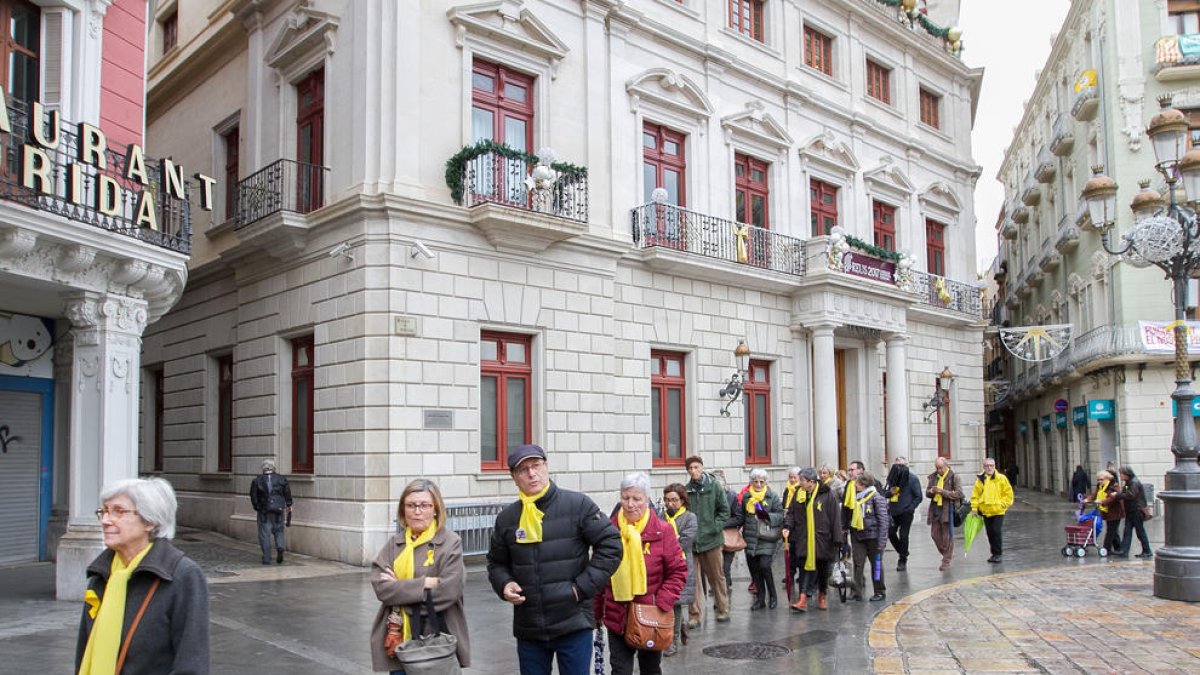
x: 313, y: 616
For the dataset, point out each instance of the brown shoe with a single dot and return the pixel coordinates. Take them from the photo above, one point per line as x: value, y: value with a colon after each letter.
x: 801, y: 605
x: 821, y: 604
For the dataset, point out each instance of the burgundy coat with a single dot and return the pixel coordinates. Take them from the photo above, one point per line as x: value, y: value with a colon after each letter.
x: 666, y: 574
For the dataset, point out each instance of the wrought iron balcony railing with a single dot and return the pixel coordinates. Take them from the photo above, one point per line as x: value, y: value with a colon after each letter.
x: 493, y: 178
x: 283, y: 185
x: 946, y: 293
x: 172, y: 216
x: 673, y: 227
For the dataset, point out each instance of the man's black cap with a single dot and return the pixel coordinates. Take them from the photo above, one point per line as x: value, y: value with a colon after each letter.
x: 522, y: 453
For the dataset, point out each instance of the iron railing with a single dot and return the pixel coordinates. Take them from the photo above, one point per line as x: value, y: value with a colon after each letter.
x: 673, y: 227
x: 474, y: 522
x: 1106, y: 342
x: 963, y: 298
x: 283, y: 185
x: 1062, y: 135
x: 492, y: 178
x: 173, y: 216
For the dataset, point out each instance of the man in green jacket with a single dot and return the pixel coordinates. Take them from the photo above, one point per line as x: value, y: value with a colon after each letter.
x: 707, y: 498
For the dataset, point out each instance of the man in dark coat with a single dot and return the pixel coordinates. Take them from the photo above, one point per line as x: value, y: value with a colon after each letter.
x: 271, y: 497
x: 903, y: 491
x: 819, y: 545
x: 551, y: 552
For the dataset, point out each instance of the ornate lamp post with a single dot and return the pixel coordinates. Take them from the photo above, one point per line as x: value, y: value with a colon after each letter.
x: 737, y: 381
x: 1167, y: 235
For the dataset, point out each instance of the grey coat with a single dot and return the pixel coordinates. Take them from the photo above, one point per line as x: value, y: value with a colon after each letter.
x: 688, y: 524
x: 173, y: 634
x: 447, y: 597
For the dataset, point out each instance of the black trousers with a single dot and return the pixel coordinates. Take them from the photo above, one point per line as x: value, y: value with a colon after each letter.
x: 1135, y: 523
x: 620, y: 657
x: 992, y: 525
x: 898, y: 534
x: 1112, y: 540
x: 760, y: 572
x: 817, y: 581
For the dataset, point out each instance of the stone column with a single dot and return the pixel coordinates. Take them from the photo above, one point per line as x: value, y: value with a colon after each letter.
x: 824, y: 396
x: 105, y: 362
x: 802, y: 387
x: 897, y: 397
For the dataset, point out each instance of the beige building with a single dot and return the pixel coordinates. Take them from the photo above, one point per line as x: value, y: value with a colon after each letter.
x: 394, y: 285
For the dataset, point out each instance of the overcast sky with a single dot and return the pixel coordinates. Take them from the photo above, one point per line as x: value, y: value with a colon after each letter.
x: 1011, y: 40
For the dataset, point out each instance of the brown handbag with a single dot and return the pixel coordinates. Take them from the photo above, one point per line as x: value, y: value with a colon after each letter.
x: 733, y: 540
x: 648, y: 627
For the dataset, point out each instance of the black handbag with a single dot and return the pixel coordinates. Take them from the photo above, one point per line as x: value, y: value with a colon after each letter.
x: 431, y: 650
x: 959, y: 514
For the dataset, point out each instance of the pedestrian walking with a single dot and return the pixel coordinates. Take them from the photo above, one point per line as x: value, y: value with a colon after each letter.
x: 903, y: 490
x: 761, y: 520
x: 652, y: 572
x: 146, y: 605
x: 944, y: 489
x: 868, y: 532
x: 424, y: 557
x: 551, y: 552
x: 710, y: 504
x: 1133, y: 494
x: 990, y: 497
x: 1080, y: 485
x: 816, y: 524
x: 1107, y: 498
x: 727, y: 554
x: 683, y: 522
x: 271, y: 497
x: 790, y: 568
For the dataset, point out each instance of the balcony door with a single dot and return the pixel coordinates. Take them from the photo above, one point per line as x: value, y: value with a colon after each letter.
x: 752, y: 198
x: 310, y: 148
x: 501, y: 111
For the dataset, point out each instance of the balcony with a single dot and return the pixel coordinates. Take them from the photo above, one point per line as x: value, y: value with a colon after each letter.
x: 1068, y: 237
x: 1177, y: 57
x: 517, y: 203
x: 1047, y: 167
x: 1087, y: 97
x: 1010, y: 230
x: 1107, y: 342
x: 1020, y: 215
x: 1050, y: 261
x: 283, y: 185
x: 168, y: 226
x: 944, y: 293
x: 1031, y: 195
x: 1062, y: 137
x: 674, y: 238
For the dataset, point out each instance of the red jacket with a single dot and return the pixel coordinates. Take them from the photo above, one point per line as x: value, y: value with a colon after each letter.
x: 666, y: 574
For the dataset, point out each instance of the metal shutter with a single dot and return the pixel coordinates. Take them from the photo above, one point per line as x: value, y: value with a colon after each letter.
x: 21, y: 412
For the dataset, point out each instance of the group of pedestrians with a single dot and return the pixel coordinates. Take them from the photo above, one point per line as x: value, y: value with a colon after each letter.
x: 1118, y: 495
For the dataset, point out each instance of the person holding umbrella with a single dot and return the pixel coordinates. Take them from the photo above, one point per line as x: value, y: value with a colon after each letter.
x: 990, y: 498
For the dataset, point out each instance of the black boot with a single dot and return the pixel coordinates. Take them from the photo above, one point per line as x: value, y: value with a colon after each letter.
x: 279, y: 556
x: 759, y: 602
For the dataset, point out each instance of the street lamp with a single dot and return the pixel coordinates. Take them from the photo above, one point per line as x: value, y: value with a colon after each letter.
x: 941, y: 393
x: 1167, y: 235
x: 733, y: 390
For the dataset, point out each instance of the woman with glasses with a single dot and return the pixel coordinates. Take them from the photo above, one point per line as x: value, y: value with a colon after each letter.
x: 761, y: 518
x: 424, y: 556
x: 146, y: 605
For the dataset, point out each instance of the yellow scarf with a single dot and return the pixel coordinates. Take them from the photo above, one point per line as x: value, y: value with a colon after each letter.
x: 403, y: 564
x: 895, y: 495
x: 630, y: 578
x: 810, y: 553
x: 789, y: 493
x: 100, y: 655
x: 937, y: 499
x: 671, y: 518
x: 848, y: 496
x: 529, y: 529
x: 856, y: 518
x: 1102, y: 493
x: 755, y: 497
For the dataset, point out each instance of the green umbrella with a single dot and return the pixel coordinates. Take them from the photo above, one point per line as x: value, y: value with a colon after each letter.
x: 971, y: 527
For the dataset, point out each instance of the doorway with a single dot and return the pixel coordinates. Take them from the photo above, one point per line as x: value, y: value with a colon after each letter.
x: 839, y: 376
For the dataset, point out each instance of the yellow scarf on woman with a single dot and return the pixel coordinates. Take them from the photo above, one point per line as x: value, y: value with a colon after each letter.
x: 754, y: 497
x: 630, y: 578
x: 789, y: 493
x: 937, y: 499
x: 529, y: 529
x: 810, y: 553
x: 100, y: 655
x: 672, y: 518
x: 1102, y: 493
x: 403, y: 564
x: 856, y: 517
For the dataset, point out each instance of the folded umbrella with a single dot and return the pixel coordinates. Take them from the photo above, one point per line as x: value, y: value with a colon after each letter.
x: 971, y: 527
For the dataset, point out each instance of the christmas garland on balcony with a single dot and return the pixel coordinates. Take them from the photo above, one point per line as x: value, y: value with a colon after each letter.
x: 872, y: 250
x: 929, y: 26
x: 456, y: 164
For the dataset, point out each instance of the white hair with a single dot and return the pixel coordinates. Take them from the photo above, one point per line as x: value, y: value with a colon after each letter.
x: 268, y: 465
x: 153, y: 499
x: 794, y: 471
x: 758, y: 473
x: 639, y: 481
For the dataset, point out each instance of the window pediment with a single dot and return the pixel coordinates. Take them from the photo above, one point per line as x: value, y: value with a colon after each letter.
x: 507, y: 22
x: 304, y: 41
x: 939, y: 196
x: 668, y: 89
x: 830, y: 154
x: 889, y: 178
x: 757, y: 126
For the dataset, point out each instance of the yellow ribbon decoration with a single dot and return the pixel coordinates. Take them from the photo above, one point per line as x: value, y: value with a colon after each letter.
x: 742, y: 233
x: 100, y: 654
x: 93, y: 602
x: 937, y: 499
x: 856, y: 518
x: 630, y: 578
x: 810, y: 553
x: 403, y: 564
x: 529, y: 529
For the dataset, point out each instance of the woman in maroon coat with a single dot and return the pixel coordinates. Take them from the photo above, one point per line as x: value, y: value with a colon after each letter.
x: 652, y: 571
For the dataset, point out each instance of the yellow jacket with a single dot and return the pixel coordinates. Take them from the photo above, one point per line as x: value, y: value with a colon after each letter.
x: 991, y: 497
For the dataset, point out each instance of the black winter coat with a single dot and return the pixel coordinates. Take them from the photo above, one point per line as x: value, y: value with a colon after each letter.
x: 260, y: 496
x: 827, y: 518
x: 173, y: 634
x: 551, y: 571
x: 908, y: 487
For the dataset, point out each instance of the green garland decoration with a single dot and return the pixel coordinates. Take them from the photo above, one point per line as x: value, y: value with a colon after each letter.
x: 456, y: 164
x: 929, y: 26
x: 871, y: 249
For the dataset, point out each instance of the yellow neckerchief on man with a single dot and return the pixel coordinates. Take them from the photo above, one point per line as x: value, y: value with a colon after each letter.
x: 937, y: 499
x: 630, y: 578
x: 755, y: 497
x: 856, y: 516
x: 848, y: 495
x: 529, y: 528
x: 104, y: 642
x: 810, y: 552
x: 403, y: 564
x: 672, y: 518
x: 1102, y: 493
x: 789, y: 493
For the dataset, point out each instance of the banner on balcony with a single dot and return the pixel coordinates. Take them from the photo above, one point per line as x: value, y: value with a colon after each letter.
x: 1158, y: 337
x: 1172, y: 49
x: 868, y: 267
x: 1036, y: 343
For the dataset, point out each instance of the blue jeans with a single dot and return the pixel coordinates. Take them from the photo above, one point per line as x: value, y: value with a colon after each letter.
x: 270, y: 527
x: 574, y: 651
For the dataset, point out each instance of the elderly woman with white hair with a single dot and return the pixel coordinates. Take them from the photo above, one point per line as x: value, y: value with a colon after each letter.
x: 146, y: 605
x: 652, y: 572
x: 761, y: 518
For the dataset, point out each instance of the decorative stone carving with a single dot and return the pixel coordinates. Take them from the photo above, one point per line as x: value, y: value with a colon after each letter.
x: 1131, y: 111
x: 668, y: 89
x: 15, y: 242
x: 757, y: 125
x: 831, y: 154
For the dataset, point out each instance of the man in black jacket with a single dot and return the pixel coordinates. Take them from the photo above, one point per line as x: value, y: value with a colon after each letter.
x: 551, y: 552
x: 904, y: 494
x: 271, y: 497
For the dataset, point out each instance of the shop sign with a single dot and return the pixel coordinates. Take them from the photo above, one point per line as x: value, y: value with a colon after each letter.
x: 1060, y: 420
x: 1100, y: 409
x: 1079, y: 415
x: 1045, y: 423
x: 867, y: 267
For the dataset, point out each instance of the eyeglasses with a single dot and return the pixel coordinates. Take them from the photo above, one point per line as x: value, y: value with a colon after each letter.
x: 531, y: 467
x: 113, y: 512
x: 426, y: 506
